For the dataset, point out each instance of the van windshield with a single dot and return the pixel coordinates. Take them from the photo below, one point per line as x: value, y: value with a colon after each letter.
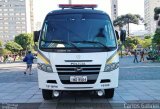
x: 77, y: 31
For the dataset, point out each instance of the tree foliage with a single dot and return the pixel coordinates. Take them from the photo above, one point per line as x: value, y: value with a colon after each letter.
x: 148, y: 37
x: 4, y: 52
x: 1, y: 43
x: 156, y: 37
x: 146, y: 43
x: 132, y: 42
x: 13, y: 46
x: 156, y: 13
x: 126, y: 19
x: 25, y: 40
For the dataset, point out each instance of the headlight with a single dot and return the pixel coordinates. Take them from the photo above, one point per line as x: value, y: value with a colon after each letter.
x: 111, y: 66
x: 45, y: 67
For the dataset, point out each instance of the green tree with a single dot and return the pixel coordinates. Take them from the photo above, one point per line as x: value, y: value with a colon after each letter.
x: 146, y: 42
x: 1, y: 43
x: 132, y: 42
x: 13, y: 46
x: 4, y: 52
x: 148, y: 37
x: 126, y: 19
x: 156, y: 13
x: 156, y: 37
x: 25, y: 40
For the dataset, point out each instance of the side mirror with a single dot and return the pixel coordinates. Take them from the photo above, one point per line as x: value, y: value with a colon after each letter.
x: 36, y: 36
x: 123, y: 36
x: 117, y: 35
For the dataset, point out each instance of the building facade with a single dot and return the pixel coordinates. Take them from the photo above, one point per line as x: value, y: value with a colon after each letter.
x: 38, y: 26
x: 16, y: 17
x: 114, y: 9
x: 149, y: 6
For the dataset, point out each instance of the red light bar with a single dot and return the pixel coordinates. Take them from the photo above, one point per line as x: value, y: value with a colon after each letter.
x: 77, y: 6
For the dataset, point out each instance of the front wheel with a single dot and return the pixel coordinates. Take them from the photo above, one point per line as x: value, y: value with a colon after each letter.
x: 109, y: 93
x: 47, y: 94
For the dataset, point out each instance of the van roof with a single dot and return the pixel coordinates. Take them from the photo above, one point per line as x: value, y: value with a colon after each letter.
x: 74, y: 11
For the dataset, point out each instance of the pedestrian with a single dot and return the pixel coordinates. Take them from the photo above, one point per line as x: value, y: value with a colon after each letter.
x: 135, y: 56
x: 9, y: 59
x: 6, y: 58
x: 14, y: 57
x: 29, y: 61
x: 142, y: 56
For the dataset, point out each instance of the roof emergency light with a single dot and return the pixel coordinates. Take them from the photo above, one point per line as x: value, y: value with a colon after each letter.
x: 77, y: 6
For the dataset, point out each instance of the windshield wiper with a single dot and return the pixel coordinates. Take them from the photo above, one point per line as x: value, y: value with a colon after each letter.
x: 71, y: 43
x: 93, y: 42
x: 63, y: 42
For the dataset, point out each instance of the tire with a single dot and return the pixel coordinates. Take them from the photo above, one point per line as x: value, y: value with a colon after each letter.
x: 47, y: 94
x: 109, y: 93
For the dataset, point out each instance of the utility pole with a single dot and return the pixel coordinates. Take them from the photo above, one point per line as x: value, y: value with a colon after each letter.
x: 70, y: 1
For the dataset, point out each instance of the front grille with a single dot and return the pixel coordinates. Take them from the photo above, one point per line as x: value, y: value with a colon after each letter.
x: 91, y: 71
x: 71, y: 69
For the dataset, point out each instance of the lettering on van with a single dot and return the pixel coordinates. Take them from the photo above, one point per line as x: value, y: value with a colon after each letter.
x: 105, y: 85
x: 51, y: 86
x: 78, y: 63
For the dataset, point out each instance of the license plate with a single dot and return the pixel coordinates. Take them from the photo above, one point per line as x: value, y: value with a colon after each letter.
x: 78, y: 79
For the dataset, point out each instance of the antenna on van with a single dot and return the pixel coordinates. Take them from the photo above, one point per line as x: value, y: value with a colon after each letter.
x: 77, y: 6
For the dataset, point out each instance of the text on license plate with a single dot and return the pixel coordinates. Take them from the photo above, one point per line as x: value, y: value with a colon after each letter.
x: 78, y: 78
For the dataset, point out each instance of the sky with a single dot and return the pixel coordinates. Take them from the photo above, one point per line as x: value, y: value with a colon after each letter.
x: 42, y: 7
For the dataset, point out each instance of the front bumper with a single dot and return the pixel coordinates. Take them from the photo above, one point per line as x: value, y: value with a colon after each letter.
x: 44, y: 76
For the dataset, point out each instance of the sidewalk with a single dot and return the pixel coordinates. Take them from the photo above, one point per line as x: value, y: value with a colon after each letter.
x: 135, y: 91
x: 14, y: 73
x: 139, y: 83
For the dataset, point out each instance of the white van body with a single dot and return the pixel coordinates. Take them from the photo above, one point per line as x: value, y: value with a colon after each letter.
x: 77, y: 64
x: 97, y: 59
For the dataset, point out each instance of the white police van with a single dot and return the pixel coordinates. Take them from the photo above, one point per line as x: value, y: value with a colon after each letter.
x: 77, y: 51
